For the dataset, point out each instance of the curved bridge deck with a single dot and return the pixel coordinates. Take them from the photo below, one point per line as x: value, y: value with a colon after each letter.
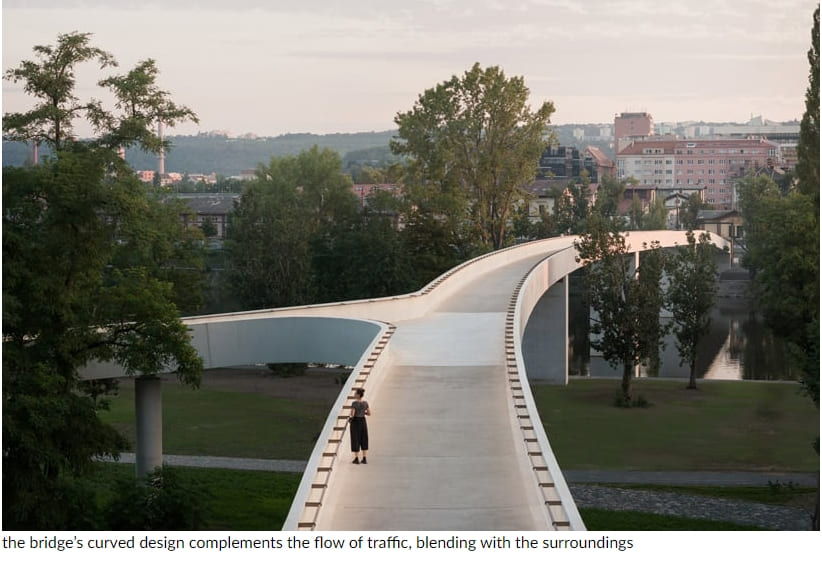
x: 444, y: 453
x: 456, y: 440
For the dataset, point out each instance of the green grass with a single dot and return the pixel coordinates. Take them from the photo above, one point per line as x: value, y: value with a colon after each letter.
x: 630, y: 520
x: 236, y: 500
x: 751, y: 426
x: 229, y: 424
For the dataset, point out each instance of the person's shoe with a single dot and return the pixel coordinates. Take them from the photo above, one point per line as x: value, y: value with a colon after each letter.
x: 357, y: 461
x: 364, y: 460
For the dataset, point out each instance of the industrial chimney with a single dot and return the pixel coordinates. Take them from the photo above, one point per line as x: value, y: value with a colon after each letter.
x: 161, y: 161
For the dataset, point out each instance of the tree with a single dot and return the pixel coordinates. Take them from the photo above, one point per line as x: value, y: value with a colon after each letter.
x: 363, y: 259
x: 573, y: 206
x: 51, y: 81
x: 268, y: 240
x: 475, y: 137
x: 272, y: 229
x: 807, y: 166
x: 142, y: 105
x: 609, y: 195
x: 626, y: 301
x: 690, y: 297
x: 782, y: 242
x: 92, y: 271
x: 208, y: 227
x: 689, y: 214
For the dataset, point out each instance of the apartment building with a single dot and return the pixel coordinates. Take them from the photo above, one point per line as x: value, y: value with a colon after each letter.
x: 712, y: 164
x: 630, y: 126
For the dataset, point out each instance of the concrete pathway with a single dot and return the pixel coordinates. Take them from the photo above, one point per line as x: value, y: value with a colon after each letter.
x: 442, y: 455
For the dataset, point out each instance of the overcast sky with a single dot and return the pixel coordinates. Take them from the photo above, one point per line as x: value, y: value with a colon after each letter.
x: 272, y: 67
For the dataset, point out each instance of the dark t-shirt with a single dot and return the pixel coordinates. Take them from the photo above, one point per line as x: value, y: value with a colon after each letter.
x: 359, y: 406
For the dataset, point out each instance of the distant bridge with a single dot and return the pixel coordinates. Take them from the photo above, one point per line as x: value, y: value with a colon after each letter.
x: 456, y: 439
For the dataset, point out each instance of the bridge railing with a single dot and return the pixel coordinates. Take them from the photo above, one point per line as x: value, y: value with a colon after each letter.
x: 328, y: 451
x: 548, y: 479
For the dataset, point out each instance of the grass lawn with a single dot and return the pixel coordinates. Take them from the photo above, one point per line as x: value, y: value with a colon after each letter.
x: 236, y: 500
x: 740, y: 426
x: 225, y: 423
x: 629, y: 520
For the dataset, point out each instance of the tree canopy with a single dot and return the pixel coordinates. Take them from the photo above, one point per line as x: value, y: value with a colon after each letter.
x: 474, y: 142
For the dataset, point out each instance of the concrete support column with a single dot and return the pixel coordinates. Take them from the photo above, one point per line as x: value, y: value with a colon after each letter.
x: 148, y: 403
x: 545, y: 341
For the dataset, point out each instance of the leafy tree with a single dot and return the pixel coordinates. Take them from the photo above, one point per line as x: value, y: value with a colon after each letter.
x: 782, y: 241
x: 365, y: 259
x: 268, y: 240
x: 609, y: 195
x: 626, y: 301
x: 807, y: 166
x: 51, y: 81
x: 475, y: 139
x: 292, y: 201
x: 435, y: 243
x: 163, y: 500
x: 689, y: 213
x: 92, y: 270
x: 690, y: 297
x: 573, y: 206
x: 208, y: 227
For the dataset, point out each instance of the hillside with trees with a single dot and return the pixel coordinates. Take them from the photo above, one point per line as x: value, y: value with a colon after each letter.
x: 228, y: 156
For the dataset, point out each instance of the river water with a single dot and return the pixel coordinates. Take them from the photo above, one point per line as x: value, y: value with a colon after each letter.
x: 739, y: 346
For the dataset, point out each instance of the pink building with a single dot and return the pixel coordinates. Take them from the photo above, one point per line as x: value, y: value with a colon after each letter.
x: 146, y: 176
x: 632, y: 125
x: 712, y: 164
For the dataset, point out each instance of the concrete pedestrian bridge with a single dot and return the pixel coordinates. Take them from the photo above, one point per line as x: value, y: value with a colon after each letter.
x: 456, y: 439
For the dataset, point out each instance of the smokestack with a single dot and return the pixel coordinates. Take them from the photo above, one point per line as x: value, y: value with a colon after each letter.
x: 161, y: 161
x: 35, y: 153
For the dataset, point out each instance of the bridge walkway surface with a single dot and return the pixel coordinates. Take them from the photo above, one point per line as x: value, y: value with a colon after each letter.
x: 442, y: 453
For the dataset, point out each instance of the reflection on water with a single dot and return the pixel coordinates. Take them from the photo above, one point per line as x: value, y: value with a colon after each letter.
x: 738, y: 346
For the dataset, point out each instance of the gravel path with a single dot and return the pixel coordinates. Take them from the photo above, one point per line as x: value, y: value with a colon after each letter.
x: 693, y: 506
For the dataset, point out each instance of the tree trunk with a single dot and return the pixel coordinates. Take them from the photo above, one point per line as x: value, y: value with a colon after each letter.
x: 627, y: 374
x: 692, y: 377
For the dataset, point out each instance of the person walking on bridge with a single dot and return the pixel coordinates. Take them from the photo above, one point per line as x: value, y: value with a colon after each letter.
x: 359, y: 427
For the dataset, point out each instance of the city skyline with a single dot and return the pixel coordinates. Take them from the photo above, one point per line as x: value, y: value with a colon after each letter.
x: 271, y: 68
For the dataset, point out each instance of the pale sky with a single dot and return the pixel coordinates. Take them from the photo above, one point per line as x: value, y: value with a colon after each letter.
x: 272, y: 67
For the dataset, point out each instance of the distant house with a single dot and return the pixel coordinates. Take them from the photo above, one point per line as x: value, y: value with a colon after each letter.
x: 727, y: 223
x: 213, y: 207
x: 364, y: 191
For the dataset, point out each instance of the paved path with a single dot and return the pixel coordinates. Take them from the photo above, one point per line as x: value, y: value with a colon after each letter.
x: 447, y: 457
x: 585, y: 486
